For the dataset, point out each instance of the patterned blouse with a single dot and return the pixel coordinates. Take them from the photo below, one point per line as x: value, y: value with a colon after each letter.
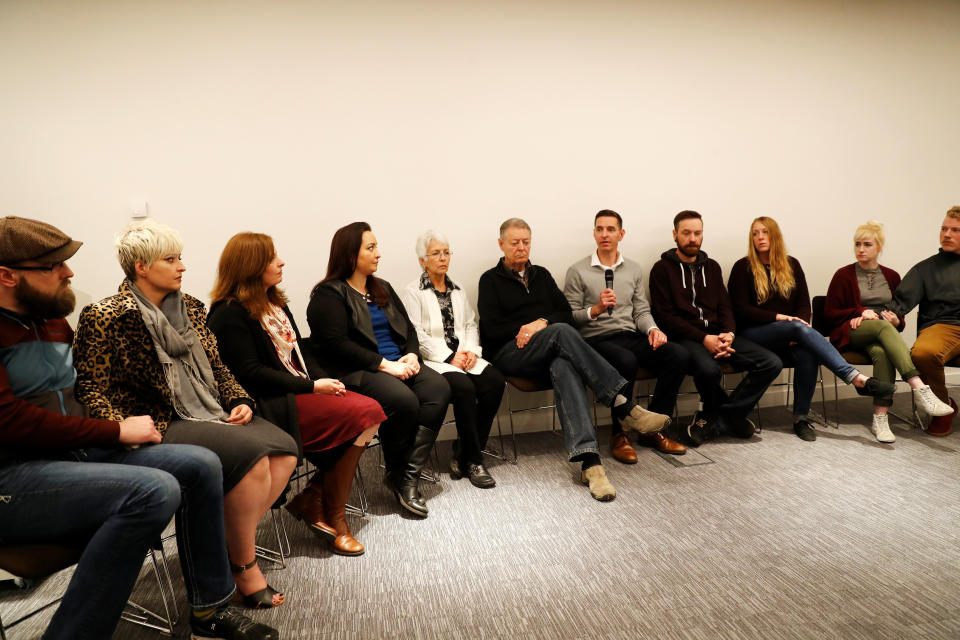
x: 446, y: 308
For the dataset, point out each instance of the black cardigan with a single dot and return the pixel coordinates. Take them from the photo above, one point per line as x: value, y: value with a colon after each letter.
x: 504, y: 305
x: 342, y: 338
x: 250, y: 355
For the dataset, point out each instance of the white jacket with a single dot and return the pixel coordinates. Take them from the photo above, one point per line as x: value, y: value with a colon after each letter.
x: 424, y: 311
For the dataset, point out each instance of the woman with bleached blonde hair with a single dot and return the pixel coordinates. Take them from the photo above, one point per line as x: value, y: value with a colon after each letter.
x: 147, y: 350
x: 772, y: 308
x: 856, y: 312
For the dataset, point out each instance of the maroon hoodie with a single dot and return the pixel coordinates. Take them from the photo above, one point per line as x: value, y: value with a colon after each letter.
x: 689, y: 300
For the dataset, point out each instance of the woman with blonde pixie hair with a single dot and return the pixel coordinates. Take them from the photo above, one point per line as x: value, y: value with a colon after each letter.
x: 855, y: 311
x: 772, y: 308
x: 147, y: 350
x: 261, y: 344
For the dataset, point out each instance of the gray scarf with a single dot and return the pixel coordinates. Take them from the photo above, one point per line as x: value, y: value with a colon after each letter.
x: 185, y: 364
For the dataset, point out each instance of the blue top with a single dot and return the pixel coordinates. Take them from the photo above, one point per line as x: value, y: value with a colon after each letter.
x: 381, y: 329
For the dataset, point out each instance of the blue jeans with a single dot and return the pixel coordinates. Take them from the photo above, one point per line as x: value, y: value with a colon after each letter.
x: 811, y: 350
x: 117, y: 503
x: 571, y: 363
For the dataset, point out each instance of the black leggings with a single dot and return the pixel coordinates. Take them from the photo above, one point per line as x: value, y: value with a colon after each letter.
x: 476, y: 399
x: 420, y: 400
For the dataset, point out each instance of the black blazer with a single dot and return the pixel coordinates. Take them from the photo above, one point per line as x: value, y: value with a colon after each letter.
x: 342, y: 338
x: 249, y: 353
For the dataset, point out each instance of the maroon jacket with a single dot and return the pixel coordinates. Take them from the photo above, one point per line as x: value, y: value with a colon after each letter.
x: 688, y: 301
x: 843, y: 302
x: 39, y: 417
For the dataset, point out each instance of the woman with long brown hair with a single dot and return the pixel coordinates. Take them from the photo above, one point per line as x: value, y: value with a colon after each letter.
x: 772, y: 308
x: 361, y: 333
x: 260, y: 343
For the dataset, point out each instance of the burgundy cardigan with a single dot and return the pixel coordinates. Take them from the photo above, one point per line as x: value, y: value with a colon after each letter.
x: 843, y: 302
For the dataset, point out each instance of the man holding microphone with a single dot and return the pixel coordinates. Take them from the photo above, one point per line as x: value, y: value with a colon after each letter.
x: 606, y: 294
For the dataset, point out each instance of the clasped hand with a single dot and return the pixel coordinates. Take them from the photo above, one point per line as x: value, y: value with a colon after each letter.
x: 720, y: 346
x: 464, y: 360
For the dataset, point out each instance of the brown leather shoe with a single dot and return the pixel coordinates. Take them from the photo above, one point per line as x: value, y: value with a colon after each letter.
x: 661, y: 443
x: 336, y: 489
x: 308, y: 506
x: 942, y: 425
x: 621, y: 449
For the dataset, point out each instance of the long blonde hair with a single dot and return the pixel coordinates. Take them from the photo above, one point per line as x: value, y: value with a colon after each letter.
x: 781, y: 278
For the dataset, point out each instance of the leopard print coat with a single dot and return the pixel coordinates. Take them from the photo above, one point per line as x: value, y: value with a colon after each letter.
x: 118, y: 371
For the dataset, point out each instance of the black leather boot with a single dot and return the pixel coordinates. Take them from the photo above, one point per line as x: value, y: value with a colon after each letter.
x: 406, y: 485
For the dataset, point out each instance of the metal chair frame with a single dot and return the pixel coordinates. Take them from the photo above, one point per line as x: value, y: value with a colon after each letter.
x: 134, y: 613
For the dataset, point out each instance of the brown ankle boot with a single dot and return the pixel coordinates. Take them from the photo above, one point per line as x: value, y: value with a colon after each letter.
x: 336, y: 489
x: 308, y: 506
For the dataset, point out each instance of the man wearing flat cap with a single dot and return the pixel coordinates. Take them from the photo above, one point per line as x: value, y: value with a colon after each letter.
x: 106, y: 486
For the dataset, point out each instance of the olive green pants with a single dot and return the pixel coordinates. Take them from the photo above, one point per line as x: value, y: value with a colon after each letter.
x: 882, y: 343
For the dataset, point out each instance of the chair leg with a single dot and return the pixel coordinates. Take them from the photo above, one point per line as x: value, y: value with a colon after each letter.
x: 144, y: 617
x: 278, y: 555
x: 361, y: 509
x: 502, y: 453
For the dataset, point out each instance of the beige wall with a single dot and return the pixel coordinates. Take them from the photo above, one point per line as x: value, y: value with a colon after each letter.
x: 294, y: 118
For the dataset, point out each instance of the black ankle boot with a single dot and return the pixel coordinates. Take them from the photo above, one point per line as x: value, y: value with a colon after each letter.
x: 406, y: 485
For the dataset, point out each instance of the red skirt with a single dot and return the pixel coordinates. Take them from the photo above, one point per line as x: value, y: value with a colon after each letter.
x: 327, y: 421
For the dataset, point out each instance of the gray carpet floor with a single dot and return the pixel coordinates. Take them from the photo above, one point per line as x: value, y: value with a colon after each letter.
x: 770, y: 537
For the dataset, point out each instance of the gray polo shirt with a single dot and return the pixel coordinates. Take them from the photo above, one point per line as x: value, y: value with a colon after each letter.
x: 585, y: 280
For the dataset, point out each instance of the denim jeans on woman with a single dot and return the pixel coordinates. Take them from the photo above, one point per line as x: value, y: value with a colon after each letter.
x: 117, y: 503
x: 571, y: 363
x: 810, y: 351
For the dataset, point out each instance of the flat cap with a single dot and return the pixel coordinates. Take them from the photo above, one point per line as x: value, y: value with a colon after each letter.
x: 24, y: 239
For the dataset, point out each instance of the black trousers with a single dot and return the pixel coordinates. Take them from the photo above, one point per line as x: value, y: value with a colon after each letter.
x: 476, y: 399
x: 762, y: 367
x: 627, y: 351
x: 420, y: 400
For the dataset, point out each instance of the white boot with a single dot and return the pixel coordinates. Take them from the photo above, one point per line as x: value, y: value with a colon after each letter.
x: 931, y: 404
x: 881, y: 428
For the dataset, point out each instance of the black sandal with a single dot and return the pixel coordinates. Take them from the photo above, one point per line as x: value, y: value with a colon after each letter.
x: 262, y: 599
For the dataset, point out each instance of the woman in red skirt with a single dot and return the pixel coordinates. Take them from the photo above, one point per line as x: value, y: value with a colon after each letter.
x: 259, y: 342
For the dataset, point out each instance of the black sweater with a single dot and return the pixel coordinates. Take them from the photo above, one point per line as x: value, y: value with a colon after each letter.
x: 504, y: 305
x: 750, y: 313
x: 342, y: 337
x: 934, y: 284
x: 689, y: 301
x: 249, y: 352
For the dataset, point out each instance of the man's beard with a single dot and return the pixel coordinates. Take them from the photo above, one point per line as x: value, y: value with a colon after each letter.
x: 689, y: 250
x: 43, y: 305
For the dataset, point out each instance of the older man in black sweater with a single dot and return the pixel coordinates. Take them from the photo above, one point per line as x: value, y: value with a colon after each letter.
x: 525, y: 327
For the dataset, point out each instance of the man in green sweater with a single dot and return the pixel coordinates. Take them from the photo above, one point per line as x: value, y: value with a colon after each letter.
x: 934, y: 284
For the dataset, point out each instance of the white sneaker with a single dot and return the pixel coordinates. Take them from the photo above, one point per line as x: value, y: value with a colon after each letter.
x: 931, y: 404
x: 881, y: 428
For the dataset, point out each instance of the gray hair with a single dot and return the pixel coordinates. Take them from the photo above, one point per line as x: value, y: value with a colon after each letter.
x: 426, y: 238
x: 145, y: 241
x: 510, y: 223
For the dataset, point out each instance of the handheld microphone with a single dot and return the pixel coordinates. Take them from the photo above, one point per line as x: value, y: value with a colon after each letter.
x: 608, y: 277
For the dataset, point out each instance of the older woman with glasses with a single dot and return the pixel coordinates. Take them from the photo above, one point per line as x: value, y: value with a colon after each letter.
x: 450, y: 344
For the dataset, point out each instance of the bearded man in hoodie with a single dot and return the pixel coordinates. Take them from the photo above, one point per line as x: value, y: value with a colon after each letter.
x: 691, y: 304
